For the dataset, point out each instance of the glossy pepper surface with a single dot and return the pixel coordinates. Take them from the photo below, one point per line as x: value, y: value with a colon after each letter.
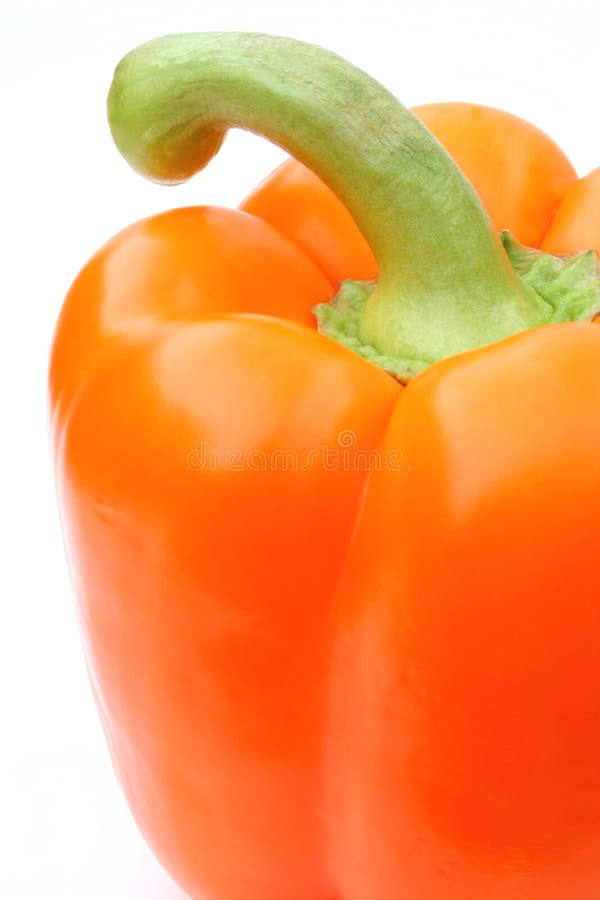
x: 337, y: 586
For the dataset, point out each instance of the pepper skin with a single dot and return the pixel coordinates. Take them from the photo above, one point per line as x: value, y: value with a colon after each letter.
x: 342, y: 629
x: 464, y: 753
x: 576, y: 222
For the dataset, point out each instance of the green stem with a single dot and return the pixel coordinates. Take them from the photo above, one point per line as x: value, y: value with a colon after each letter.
x: 445, y: 284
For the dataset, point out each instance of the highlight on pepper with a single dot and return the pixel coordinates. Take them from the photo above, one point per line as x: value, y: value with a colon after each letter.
x: 376, y: 678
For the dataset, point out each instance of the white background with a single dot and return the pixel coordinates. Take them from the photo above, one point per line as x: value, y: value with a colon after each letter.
x: 65, y: 833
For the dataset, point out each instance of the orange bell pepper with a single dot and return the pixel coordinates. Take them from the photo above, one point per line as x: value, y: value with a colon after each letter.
x: 337, y: 589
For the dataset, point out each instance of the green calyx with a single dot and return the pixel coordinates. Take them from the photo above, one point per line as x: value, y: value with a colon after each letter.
x: 447, y: 283
x: 341, y: 318
x: 569, y: 286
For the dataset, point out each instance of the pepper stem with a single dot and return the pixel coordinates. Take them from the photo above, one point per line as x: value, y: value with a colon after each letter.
x: 446, y: 284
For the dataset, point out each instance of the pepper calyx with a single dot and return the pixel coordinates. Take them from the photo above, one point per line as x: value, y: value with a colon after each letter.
x: 340, y: 319
x: 569, y: 286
